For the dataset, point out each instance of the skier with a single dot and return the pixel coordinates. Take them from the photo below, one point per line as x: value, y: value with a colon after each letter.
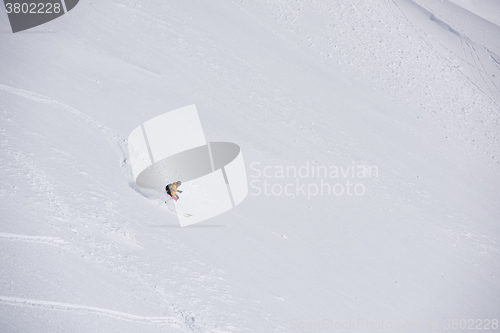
x: 172, y: 190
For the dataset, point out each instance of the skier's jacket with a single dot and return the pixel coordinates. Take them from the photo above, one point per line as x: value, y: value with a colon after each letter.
x: 173, y: 188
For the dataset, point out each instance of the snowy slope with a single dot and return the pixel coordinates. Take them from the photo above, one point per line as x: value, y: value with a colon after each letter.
x: 397, y: 85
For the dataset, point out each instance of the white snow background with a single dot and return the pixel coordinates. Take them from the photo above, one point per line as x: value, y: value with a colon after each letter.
x: 411, y: 87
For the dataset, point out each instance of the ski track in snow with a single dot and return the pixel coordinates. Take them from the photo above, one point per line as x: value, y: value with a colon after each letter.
x: 107, y: 133
x: 34, y: 239
x: 471, y: 55
x: 16, y: 301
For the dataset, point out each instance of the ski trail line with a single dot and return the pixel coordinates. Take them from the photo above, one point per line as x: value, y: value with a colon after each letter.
x: 468, y: 56
x: 15, y: 301
x: 107, y: 133
x: 35, y: 239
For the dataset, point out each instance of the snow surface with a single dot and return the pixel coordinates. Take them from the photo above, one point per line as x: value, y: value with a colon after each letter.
x: 409, y: 87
